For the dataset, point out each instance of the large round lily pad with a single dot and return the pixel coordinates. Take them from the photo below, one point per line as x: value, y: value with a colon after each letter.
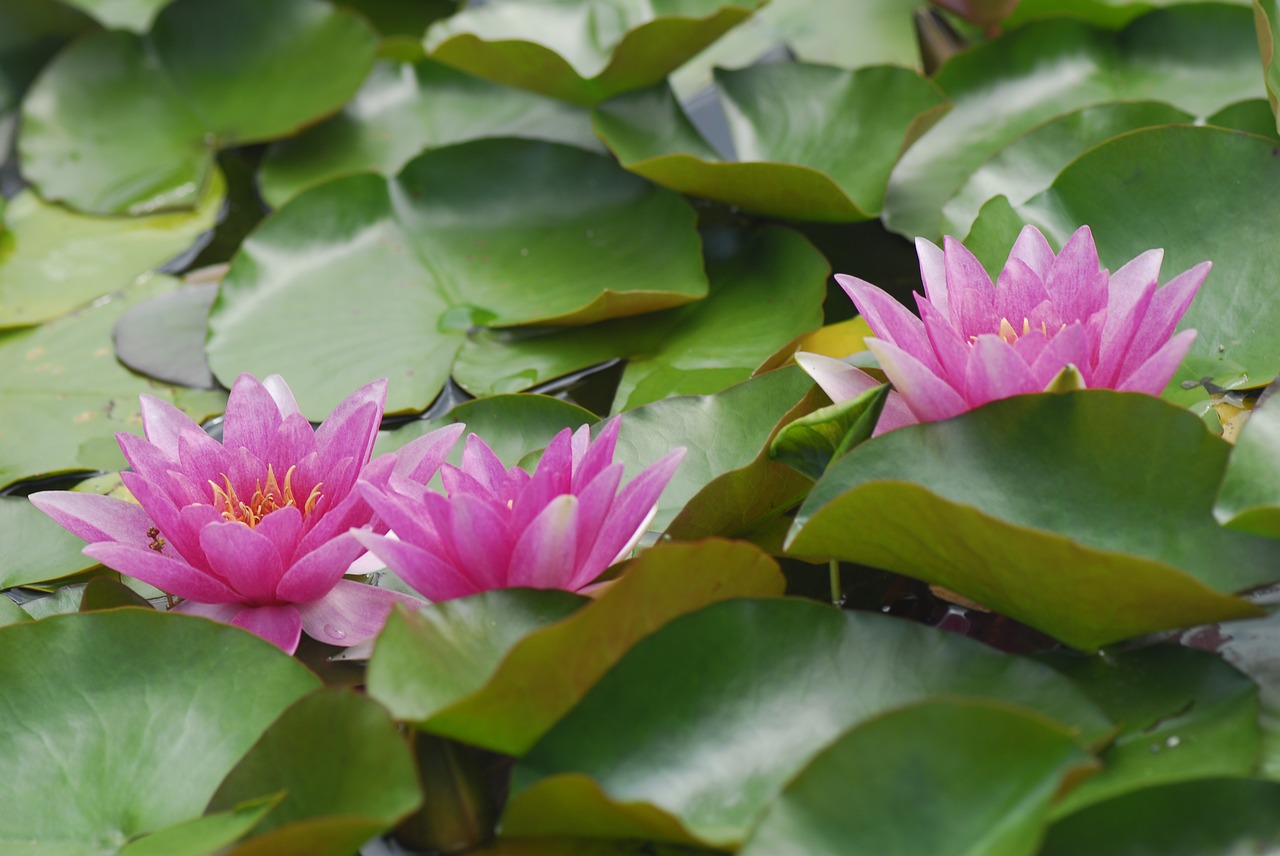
x: 1087, y: 514
x: 385, y: 278
x: 128, y: 123
x: 129, y: 723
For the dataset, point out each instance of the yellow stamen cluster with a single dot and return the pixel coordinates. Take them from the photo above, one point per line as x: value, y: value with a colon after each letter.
x: 266, y: 499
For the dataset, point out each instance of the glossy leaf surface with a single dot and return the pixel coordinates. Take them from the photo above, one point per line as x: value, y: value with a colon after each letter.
x: 696, y: 752
x: 1087, y: 515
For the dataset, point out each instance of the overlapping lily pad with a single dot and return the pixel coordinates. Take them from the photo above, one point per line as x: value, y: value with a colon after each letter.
x: 1250, y: 497
x: 119, y: 696
x: 783, y: 119
x: 53, y: 260
x: 1197, y: 58
x: 700, y: 348
x: 1030, y: 163
x: 1102, y: 13
x: 583, y: 51
x: 332, y: 801
x: 63, y: 394
x: 403, y: 108
x: 700, y: 726
x: 383, y: 278
x: 902, y: 785
x: 36, y: 548
x: 446, y: 670
x: 209, y: 74
x: 1087, y: 515
x: 1174, y: 179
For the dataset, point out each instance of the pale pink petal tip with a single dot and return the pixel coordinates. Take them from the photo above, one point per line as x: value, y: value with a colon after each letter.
x: 839, y: 380
x: 351, y: 613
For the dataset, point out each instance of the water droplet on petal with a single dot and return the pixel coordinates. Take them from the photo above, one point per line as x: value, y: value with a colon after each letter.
x: 1172, y: 741
x: 334, y: 632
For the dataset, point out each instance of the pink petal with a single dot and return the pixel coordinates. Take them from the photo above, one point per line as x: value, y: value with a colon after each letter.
x: 1033, y: 250
x: 315, y: 572
x: 403, y: 514
x: 480, y: 462
x: 1019, y: 293
x: 329, y: 522
x: 629, y: 509
x: 1070, y: 346
x: 890, y: 320
x: 1118, y: 332
x: 996, y: 371
x: 1154, y: 374
x: 928, y: 396
x: 163, y: 424
x: 594, y: 503
x: 281, y: 395
x: 1076, y: 283
x: 146, y: 458
x: 970, y: 293
x: 223, y: 613
x: 457, y: 482
x: 420, y: 458
x: 1167, y: 309
x: 896, y: 414
x: 544, y: 556
x: 351, y: 612
x: 481, y: 539
x: 952, y: 351
x: 839, y: 380
x: 352, y: 427
x: 94, y: 517
x: 294, y: 440
x: 202, y: 458
x: 283, y: 528
x: 933, y: 273
x: 279, y: 625
x: 421, y: 570
x: 252, y: 417
x: 167, y: 574
x: 597, y: 455
x: 552, y: 477
x: 166, y: 517
x: 244, y: 558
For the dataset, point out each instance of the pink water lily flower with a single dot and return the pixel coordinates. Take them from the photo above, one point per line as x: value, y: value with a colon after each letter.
x: 1049, y: 322
x: 254, y: 531
x: 557, y: 528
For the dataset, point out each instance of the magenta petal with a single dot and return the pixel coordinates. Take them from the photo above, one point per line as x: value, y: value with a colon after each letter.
x: 480, y: 462
x: 402, y: 514
x: 629, y: 510
x: 970, y: 294
x: 163, y: 424
x: 1076, y: 283
x: 933, y: 273
x: 146, y: 458
x: 419, y: 459
x: 552, y: 477
x: 352, y: 427
x: 245, y: 559
x: 597, y: 454
x: 996, y: 371
x: 352, y: 511
x: 279, y: 625
x: 315, y: 572
x: 929, y: 396
x: 1154, y: 375
x: 1118, y: 333
x: 94, y: 517
x: 890, y: 320
x: 166, y: 517
x: 169, y: 575
x: 283, y: 528
x: 952, y: 351
x: 293, y: 441
x: 1033, y: 250
x: 252, y: 417
x: 546, y: 553
x: 839, y: 380
x: 1069, y: 347
x: 481, y: 539
x: 421, y: 570
x: 1167, y: 308
x: 594, y: 503
x: 203, y: 458
x: 351, y: 612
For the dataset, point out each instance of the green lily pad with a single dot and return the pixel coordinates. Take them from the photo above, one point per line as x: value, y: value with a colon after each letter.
x: 506, y: 702
x: 1174, y: 179
x: 723, y: 432
x: 385, y: 278
x: 1101, y: 13
x: 811, y: 443
x: 53, y: 260
x: 135, y: 15
x: 335, y: 800
x: 208, y: 834
x: 404, y: 108
x: 210, y: 74
x: 31, y: 31
x: 701, y: 725
x: 36, y: 548
x: 1030, y: 163
x: 1197, y: 58
x: 119, y: 696
x: 1250, y: 496
x: 11, y: 613
x: 64, y: 395
x: 834, y: 32
x: 1218, y: 816
x: 582, y: 52
x: 1252, y: 115
x: 163, y: 338
x: 905, y: 783
x: 700, y: 348
x: 1087, y: 515
x: 1183, y: 715
x: 782, y: 119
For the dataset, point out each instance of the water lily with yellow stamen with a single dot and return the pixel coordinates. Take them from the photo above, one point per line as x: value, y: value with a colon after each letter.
x: 1049, y: 321
x: 215, y: 525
